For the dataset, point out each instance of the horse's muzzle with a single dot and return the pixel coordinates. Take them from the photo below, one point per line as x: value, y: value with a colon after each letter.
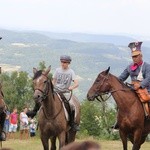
x: 90, y: 98
x: 38, y: 96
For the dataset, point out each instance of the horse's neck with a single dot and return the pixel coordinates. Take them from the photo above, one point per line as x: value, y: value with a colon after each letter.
x: 49, y: 103
x: 123, y: 96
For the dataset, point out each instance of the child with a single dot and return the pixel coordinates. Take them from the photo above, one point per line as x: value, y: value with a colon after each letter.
x: 13, y: 123
x: 32, y: 128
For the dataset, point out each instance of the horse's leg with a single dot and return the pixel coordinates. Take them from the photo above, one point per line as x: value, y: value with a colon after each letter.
x: 123, y: 137
x: 71, y: 136
x: 62, y: 138
x: 143, y: 139
x: 137, y: 140
x: 2, y: 118
x: 53, y: 143
x: 45, y: 142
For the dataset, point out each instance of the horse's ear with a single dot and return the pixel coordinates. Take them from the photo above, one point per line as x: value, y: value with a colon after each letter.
x: 48, y: 70
x: 35, y: 70
x: 107, y: 71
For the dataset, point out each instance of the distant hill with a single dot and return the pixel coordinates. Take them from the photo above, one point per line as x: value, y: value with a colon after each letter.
x: 25, y: 50
x: 96, y: 38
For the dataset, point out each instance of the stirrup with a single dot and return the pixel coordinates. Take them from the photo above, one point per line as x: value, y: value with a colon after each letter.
x: 75, y: 127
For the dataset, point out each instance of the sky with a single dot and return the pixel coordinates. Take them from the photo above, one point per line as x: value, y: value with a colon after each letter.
x: 85, y: 16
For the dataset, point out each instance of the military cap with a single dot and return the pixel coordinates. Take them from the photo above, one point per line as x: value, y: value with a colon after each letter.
x: 135, y: 48
x: 65, y: 58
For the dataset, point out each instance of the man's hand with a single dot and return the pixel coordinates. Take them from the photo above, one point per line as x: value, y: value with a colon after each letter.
x: 136, y: 86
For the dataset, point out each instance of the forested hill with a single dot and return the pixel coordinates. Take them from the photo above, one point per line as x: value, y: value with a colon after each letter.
x: 90, y: 53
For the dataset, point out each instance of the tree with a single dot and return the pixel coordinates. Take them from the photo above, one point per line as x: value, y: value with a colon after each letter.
x: 42, y: 66
x: 97, y: 119
x: 17, y: 88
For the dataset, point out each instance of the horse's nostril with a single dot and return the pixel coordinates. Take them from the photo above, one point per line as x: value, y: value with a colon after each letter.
x: 88, y: 97
x: 38, y: 96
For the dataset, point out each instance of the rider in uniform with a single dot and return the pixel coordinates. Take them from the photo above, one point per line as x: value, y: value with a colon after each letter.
x: 139, y: 71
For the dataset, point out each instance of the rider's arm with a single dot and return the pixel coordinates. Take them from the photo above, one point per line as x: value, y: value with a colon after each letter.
x: 75, y: 81
x: 124, y: 75
x: 75, y: 85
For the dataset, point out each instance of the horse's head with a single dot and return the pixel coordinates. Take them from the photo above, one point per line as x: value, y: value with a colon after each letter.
x: 40, y: 84
x: 100, y: 86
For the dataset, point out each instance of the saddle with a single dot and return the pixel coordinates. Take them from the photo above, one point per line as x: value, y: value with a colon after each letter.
x: 144, y: 97
x: 66, y: 102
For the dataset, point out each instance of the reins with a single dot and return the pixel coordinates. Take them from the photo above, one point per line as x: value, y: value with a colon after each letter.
x: 45, y: 95
x: 51, y: 118
x: 113, y: 91
x: 46, y: 90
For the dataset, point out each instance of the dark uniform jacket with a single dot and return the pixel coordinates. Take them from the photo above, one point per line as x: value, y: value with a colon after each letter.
x: 133, y: 74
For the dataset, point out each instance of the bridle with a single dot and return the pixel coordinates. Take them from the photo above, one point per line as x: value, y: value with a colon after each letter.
x: 45, y: 90
x: 45, y: 93
x: 108, y: 92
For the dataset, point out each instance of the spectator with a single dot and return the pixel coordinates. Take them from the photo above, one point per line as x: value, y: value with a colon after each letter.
x: 24, y: 127
x: 6, y: 123
x: 32, y: 128
x: 13, y: 123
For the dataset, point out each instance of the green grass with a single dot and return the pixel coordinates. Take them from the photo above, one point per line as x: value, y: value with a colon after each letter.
x: 35, y: 144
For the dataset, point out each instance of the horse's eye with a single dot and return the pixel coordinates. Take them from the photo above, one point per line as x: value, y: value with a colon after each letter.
x: 45, y: 81
x: 97, y: 81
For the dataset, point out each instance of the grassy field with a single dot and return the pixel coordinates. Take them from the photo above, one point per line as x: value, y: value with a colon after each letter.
x: 35, y: 144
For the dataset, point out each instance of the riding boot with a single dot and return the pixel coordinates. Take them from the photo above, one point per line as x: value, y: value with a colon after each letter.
x: 73, y: 124
x: 33, y: 112
x: 115, y: 126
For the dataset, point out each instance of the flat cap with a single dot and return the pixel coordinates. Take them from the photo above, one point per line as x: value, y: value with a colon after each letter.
x: 65, y: 58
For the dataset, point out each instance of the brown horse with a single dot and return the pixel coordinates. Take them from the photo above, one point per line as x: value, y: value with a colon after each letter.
x: 52, y: 120
x: 130, y: 118
x: 2, y: 114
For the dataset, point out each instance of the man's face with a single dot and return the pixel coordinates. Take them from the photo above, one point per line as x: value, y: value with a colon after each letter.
x: 64, y: 64
x: 137, y: 59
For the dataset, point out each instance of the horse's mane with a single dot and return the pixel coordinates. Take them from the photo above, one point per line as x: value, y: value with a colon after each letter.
x: 121, y: 82
x: 52, y: 87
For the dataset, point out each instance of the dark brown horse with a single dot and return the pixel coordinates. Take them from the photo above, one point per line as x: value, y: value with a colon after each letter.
x: 131, y: 120
x: 2, y: 114
x: 52, y: 120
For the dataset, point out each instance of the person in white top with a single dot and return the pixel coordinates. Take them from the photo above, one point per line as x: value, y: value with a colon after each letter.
x: 24, y: 127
